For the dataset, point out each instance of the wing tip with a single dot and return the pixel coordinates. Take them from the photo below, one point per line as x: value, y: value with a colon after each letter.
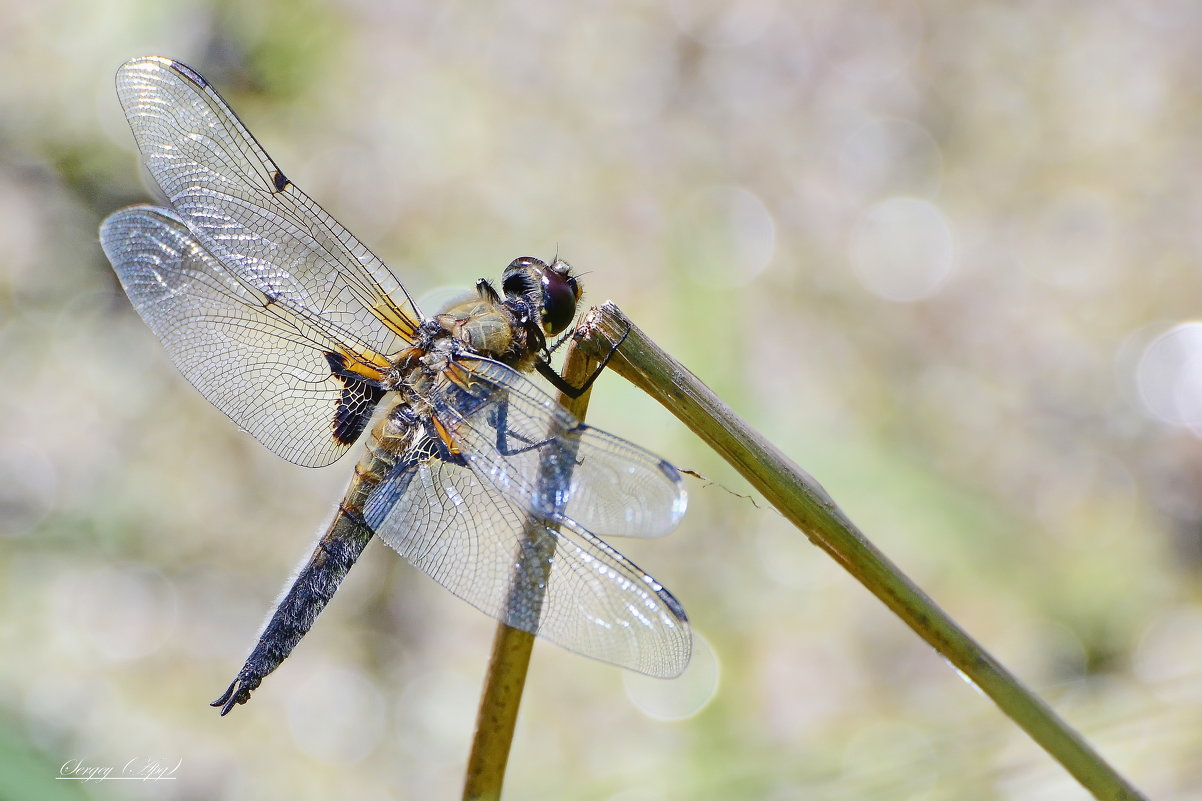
x: 111, y: 224
x: 144, y: 63
x: 680, y: 503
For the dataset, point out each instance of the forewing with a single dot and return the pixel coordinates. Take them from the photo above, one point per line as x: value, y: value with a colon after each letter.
x: 573, y: 589
x: 259, y: 361
x: 248, y: 215
x: 517, y: 436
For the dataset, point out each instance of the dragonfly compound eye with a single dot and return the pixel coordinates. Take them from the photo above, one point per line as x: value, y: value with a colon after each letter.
x: 521, y: 278
x: 560, y: 293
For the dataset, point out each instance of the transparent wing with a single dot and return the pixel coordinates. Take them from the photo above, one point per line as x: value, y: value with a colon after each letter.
x: 574, y: 589
x: 512, y: 433
x: 262, y: 363
x: 249, y: 216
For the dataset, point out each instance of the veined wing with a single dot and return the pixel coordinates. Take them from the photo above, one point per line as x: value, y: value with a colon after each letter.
x: 281, y: 374
x: 249, y: 216
x: 516, y: 436
x: 553, y: 579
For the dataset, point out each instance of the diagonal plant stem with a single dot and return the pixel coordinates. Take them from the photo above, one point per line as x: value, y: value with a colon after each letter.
x: 506, y: 675
x: 804, y: 502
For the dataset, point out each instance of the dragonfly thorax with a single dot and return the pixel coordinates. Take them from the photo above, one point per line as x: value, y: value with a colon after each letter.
x: 539, y: 301
x: 485, y: 327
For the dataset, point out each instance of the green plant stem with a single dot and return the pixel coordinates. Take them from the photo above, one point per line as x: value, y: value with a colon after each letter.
x: 804, y: 502
x: 506, y: 675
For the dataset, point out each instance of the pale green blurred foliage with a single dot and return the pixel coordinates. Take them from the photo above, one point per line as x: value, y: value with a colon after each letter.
x: 752, y: 182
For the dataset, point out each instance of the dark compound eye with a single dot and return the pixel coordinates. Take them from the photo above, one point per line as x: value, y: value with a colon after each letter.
x: 560, y: 293
x: 521, y: 277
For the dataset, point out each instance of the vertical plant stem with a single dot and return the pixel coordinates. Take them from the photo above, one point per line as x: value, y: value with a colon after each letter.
x: 804, y: 502
x: 506, y: 675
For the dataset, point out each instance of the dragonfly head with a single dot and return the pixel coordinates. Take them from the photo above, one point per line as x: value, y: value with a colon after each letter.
x: 551, y: 289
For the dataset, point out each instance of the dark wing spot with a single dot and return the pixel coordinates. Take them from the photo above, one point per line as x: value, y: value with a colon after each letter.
x: 280, y: 182
x: 672, y: 473
x: 354, y: 410
x: 337, y: 364
x: 189, y: 73
x: 356, y: 403
x: 668, y: 598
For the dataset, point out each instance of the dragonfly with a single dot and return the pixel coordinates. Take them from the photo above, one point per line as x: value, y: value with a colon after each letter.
x: 294, y: 329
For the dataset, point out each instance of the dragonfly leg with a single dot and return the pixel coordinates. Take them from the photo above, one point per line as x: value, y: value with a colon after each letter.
x: 312, y: 589
x: 499, y: 415
x: 563, y: 385
x: 500, y: 420
x: 504, y: 435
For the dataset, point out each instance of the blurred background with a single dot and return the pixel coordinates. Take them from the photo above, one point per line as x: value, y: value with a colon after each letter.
x: 948, y: 255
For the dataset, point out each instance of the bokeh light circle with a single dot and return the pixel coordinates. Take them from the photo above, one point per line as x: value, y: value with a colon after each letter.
x: 901, y: 249
x: 1168, y: 376
x: 682, y: 697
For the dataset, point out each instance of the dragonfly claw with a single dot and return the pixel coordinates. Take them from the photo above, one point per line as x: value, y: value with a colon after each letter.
x: 237, y: 695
